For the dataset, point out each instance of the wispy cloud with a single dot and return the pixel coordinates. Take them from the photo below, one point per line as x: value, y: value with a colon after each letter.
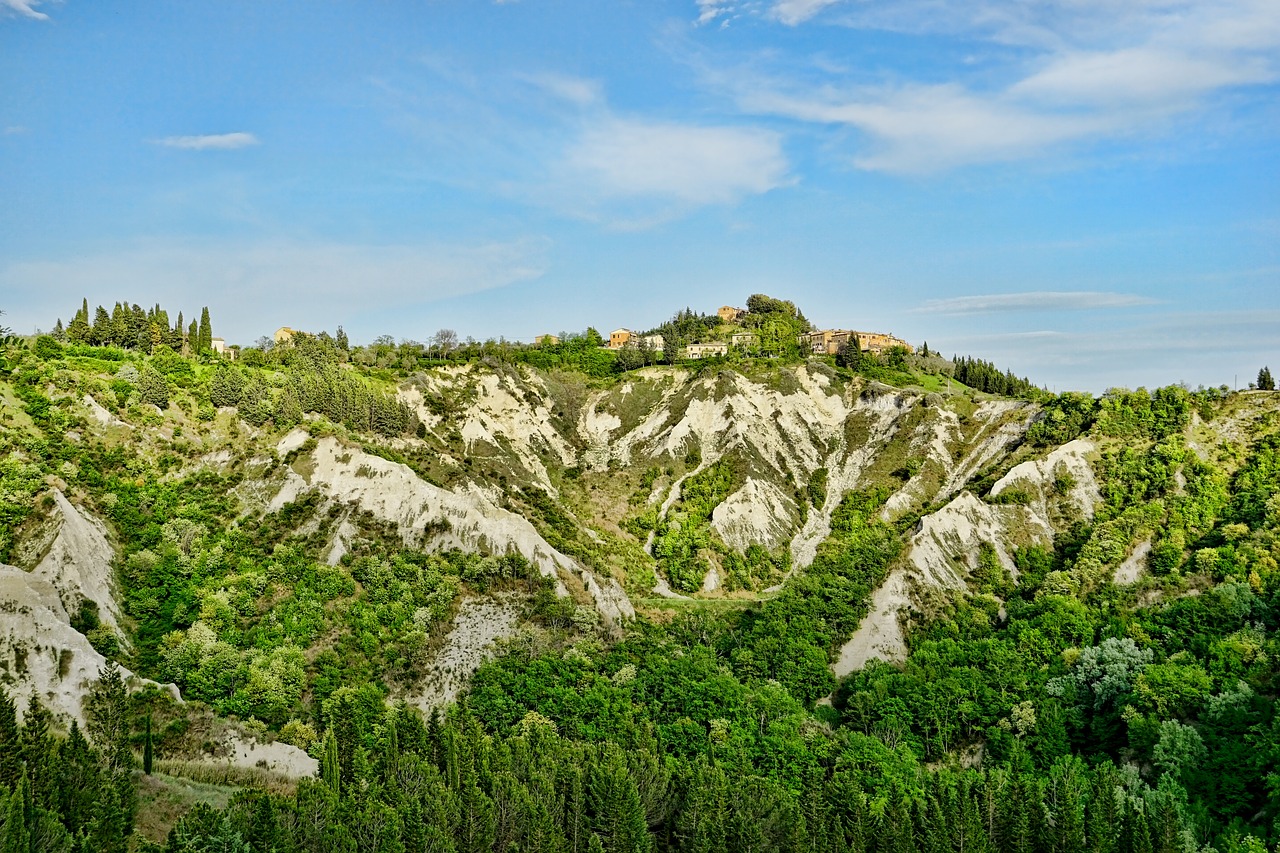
x: 576, y: 90
x: 210, y: 141
x: 1053, y: 74
x: 15, y: 130
x: 689, y: 163
x: 554, y: 141
x: 1044, y: 300
x: 23, y: 9
x: 794, y: 12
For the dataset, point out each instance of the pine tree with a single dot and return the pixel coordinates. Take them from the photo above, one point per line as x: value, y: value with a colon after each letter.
x: 107, y: 713
x: 192, y: 343
x: 37, y: 751
x: 153, y: 388
x: 341, y: 340
x: 10, y: 742
x: 1265, y: 380
x: 77, y: 780
x: 100, y: 334
x: 15, y: 837
x: 59, y: 333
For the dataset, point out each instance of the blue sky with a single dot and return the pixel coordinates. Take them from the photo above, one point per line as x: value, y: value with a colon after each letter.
x: 1085, y: 191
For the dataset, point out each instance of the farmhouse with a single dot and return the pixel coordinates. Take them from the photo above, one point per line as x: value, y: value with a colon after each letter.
x: 705, y: 350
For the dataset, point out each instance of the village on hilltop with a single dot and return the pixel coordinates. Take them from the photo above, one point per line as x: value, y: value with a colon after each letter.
x: 818, y: 342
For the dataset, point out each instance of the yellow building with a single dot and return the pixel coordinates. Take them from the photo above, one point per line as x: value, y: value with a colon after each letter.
x: 729, y: 314
x: 619, y: 338
x: 546, y: 339
x: 284, y: 334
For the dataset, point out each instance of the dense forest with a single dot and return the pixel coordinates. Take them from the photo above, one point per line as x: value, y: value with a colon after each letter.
x: 1045, y: 710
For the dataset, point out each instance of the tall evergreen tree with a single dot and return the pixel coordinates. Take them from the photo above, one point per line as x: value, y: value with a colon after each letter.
x: 78, y: 330
x: 10, y: 742
x: 107, y: 713
x: 205, y: 343
x: 16, y: 837
x: 148, y: 749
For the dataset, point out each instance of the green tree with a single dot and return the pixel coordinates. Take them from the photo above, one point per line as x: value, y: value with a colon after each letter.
x: 204, y: 343
x: 153, y: 388
x: 1265, y: 380
x: 107, y: 716
x: 148, y: 749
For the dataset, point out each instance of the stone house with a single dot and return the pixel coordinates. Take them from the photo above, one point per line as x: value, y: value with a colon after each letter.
x: 831, y: 341
x: 284, y: 335
x: 619, y: 338
x: 729, y: 314
x: 744, y: 339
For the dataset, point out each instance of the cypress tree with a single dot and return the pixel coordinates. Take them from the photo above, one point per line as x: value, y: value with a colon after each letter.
x: 329, y: 769
x: 205, y: 343
x: 78, y: 330
x: 147, y: 749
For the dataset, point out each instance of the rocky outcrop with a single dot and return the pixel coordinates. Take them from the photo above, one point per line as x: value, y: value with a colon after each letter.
x: 78, y: 564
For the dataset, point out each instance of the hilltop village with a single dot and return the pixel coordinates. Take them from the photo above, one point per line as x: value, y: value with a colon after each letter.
x: 732, y: 332
x: 767, y: 327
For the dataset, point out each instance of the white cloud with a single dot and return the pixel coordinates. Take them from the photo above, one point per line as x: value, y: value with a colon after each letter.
x: 15, y: 130
x: 1047, y: 300
x: 1080, y: 71
x: 794, y: 12
x: 210, y: 141
x: 1142, y: 76
x: 23, y: 9
x: 255, y: 287
x: 709, y: 10
x: 576, y: 90
x: 923, y: 129
x: 688, y: 163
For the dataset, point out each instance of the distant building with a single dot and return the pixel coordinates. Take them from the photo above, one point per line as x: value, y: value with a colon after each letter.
x: 655, y: 342
x: 546, y: 339
x: 825, y: 341
x: 705, y: 350
x: 284, y: 334
x: 744, y: 339
x: 619, y: 338
x: 831, y: 341
x: 729, y: 314
x: 219, y: 346
x: 877, y: 343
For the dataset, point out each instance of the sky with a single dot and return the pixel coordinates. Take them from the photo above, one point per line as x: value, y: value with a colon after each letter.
x: 1086, y: 192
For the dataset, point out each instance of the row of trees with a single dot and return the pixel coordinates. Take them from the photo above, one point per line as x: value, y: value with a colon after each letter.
x: 132, y: 327
x: 389, y: 782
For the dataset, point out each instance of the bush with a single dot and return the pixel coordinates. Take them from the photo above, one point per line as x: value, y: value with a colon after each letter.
x: 153, y: 388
